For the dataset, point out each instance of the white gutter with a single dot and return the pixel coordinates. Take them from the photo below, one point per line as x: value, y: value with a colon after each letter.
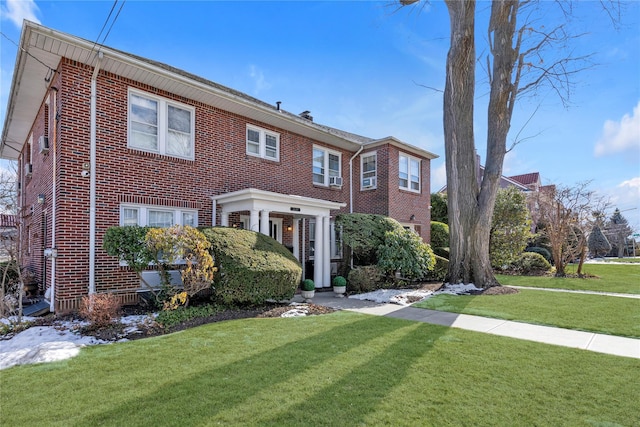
x: 351, y: 178
x: 92, y: 182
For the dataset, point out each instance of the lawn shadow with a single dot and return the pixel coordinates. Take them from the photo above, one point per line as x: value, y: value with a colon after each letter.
x: 352, y: 398
x: 199, y: 398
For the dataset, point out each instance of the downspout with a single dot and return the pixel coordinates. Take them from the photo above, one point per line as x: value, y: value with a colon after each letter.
x: 351, y: 178
x: 92, y: 178
x: 351, y: 190
x: 54, y: 147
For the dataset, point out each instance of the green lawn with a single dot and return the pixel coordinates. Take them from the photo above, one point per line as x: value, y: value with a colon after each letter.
x: 338, y: 369
x: 611, y: 278
x: 595, y: 313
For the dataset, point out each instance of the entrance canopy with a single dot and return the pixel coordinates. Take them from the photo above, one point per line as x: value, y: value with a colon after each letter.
x: 261, y: 204
x: 253, y: 199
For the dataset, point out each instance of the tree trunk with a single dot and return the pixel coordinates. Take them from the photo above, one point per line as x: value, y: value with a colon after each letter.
x: 470, y: 206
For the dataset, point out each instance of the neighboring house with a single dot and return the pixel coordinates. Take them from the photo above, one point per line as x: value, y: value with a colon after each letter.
x: 8, y: 234
x: 106, y: 138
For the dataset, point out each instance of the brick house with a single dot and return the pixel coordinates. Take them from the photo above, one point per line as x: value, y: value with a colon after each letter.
x: 105, y: 138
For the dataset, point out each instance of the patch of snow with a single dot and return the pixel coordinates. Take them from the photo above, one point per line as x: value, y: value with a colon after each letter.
x: 51, y: 343
x: 410, y: 296
x: 295, y: 312
x: 43, y: 344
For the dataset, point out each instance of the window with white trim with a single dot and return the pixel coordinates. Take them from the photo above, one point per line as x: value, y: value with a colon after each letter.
x: 369, y: 170
x: 161, y: 126
x: 157, y: 216
x: 336, y: 239
x: 326, y: 165
x: 263, y: 143
x: 409, y: 173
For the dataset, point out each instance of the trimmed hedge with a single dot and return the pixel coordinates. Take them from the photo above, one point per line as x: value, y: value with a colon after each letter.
x: 540, y: 250
x: 531, y: 263
x: 252, y: 267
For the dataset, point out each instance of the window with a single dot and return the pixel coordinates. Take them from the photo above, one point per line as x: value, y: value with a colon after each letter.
x: 275, y: 226
x: 409, y: 173
x: 263, y: 143
x: 326, y: 164
x: 368, y: 169
x: 157, y: 216
x: 160, y: 126
x: 336, y: 239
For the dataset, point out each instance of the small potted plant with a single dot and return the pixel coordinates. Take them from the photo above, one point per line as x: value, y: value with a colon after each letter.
x: 339, y: 286
x: 308, y: 289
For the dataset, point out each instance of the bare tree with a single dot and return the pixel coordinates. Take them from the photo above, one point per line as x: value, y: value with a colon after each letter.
x: 521, y: 58
x: 566, y: 217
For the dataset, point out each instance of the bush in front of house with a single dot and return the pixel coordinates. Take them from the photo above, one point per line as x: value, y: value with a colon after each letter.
x: 365, y: 278
x: 439, y: 271
x: 439, y: 235
x: 531, y: 263
x: 441, y: 252
x: 101, y: 310
x: 404, y: 251
x: 252, y: 267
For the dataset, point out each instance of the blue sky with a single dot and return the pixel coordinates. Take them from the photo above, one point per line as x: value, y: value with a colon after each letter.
x: 368, y: 68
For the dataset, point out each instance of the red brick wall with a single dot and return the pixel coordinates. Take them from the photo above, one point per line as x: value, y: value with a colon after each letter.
x: 132, y: 176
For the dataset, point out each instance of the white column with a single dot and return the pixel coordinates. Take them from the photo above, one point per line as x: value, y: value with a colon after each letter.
x: 318, y: 252
x: 254, y: 219
x: 264, y: 222
x: 296, y: 238
x: 213, y: 214
x: 326, y: 258
x: 224, y: 219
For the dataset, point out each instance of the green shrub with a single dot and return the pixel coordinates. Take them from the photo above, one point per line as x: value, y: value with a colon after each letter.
x: 439, y: 235
x: 365, y: 279
x: 404, y: 251
x: 252, y: 267
x: 169, y: 318
x: 546, y: 254
x: 339, y: 281
x: 440, y: 270
x: 364, y: 233
x: 308, y: 285
x: 441, y: 252
x: 531, y: 263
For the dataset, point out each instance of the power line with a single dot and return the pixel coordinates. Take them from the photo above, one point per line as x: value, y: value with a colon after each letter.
x: 51, y: 70
x: 113, y: 6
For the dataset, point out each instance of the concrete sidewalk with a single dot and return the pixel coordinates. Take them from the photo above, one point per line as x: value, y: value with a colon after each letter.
x: 601, y: 343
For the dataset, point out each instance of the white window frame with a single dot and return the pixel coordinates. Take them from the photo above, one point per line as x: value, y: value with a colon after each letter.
x: 409, y: 179
x: 275, y: 226
x: 163, y: 124
x: 326, y: 173
x: 369, y: 174
x: 143, y: 213
x: 262, y: 143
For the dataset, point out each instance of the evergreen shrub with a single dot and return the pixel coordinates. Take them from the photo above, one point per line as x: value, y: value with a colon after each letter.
x: 531, y: 263
x: 365, y: 279
x: 252, y: 267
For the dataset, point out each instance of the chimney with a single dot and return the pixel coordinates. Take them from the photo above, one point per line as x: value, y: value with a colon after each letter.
x: 307, y: 115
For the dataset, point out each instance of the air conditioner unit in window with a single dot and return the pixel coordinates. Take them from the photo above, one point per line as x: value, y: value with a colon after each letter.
x: 28, y: 169
x: 368, y: 182
x: 43, y: 142
x: 335, y: 181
